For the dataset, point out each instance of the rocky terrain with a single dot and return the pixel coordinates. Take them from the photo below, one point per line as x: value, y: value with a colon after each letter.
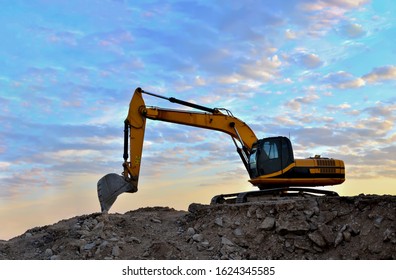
x: 360, y: 227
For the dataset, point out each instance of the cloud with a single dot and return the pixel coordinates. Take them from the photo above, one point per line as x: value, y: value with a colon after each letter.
x: 311, y: 60
x: 32, y: 142
x: 381, y: 74
x: 322, y: 5
x: 290, y: 34
x: 343, y: 80
x: 115, y: 37
x: 14, y: 185
x: 320, y: 16
x: 315, y: 137
x: 161, y: 132
x: 372, y: 128
x: 264, y: 69
x: 348, y: 4
x: 382, y: 110
x: 204, y: 149
x: 352, y: 30
x: 359, y: 152
x: 297, y: 103
x: 306, y: 59
x: 4, y: 165
x: 343, y: 106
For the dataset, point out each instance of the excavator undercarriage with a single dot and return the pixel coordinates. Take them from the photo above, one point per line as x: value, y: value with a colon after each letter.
x: 250, y: 196
x: 269, y: 161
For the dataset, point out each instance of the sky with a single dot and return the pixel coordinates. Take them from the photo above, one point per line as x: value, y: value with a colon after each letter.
x: 322, y: 72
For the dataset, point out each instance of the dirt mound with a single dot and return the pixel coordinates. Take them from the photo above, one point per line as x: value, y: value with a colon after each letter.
x: 361, y: 227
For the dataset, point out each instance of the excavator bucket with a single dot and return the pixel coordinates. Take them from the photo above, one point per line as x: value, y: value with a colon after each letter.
x: 110, y: 187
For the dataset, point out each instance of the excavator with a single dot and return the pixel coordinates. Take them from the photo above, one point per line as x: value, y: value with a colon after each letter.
x: 269, y: 162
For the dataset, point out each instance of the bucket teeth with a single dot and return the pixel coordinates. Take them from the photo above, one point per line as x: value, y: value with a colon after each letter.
x: 110, y: 187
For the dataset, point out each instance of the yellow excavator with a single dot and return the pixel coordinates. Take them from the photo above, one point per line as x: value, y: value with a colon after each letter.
x: 269, y: 162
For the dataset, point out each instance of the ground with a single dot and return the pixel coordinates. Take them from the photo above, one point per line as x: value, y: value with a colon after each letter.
x: 359, y: 227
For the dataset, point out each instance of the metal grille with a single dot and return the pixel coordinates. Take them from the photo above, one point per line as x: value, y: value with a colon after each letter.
x: 327, y: 165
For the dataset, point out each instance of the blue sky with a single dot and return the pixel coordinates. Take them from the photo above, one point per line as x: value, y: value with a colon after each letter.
x: 321, y: 71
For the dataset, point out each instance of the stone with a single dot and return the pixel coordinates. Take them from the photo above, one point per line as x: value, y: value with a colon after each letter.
x: 132, y: 239
x: 327, y: 234
x: 339, y: 238
x: 238, y: 232
x: 309, y: 213
x: 48, y: 252
x: 268, y: 223
x: 226, y: 241
x: 302, y: 244
x: 204, y: 245
x: 251, y: 211
x: 89, y: 246
x: 378, y: 220
x: 98, y: 227
x: 155, y: 220
x: 195, y: 208
x: 296, y: 226
x: 389, y: 235
x: 317, y: 238
x: 327, y: 216
x: 98, y: 252
x: 104, y: 244
x: 146, y: 254
x: 116, y: 251
x: 289, y: 246
x: 260, y: 214
x: 190, y: 231
x: 76, y: 226
x: 84, y: 233
x: 198, y: 237
x: 316, y: 210
x: 354, y: 229
x: 375, y: 248
x: 285, y: 206
x: 219, y: 221
x: 347, y: 236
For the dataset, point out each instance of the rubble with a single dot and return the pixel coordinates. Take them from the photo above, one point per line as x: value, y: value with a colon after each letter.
x: 360, y: 227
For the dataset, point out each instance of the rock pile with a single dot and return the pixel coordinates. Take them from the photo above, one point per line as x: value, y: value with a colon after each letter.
x: 301, y: 228
x: 361, y: 227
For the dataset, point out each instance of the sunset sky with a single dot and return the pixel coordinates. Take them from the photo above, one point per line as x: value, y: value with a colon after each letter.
x: 320, y: 71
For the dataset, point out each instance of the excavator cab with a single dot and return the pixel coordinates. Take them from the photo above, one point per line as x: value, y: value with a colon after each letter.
x: 272, y: 165
x: 270, y: 155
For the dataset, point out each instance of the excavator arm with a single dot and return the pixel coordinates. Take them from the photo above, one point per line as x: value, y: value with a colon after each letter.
x: 112, y: 185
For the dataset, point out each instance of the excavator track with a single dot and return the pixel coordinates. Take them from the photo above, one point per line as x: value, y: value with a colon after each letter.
x: 243, y: 197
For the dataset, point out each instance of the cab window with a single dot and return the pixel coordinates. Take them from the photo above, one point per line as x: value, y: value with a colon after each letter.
x: 271, y: 149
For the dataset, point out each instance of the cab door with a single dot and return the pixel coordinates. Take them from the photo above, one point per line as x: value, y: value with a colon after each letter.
x: 273, y: 155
